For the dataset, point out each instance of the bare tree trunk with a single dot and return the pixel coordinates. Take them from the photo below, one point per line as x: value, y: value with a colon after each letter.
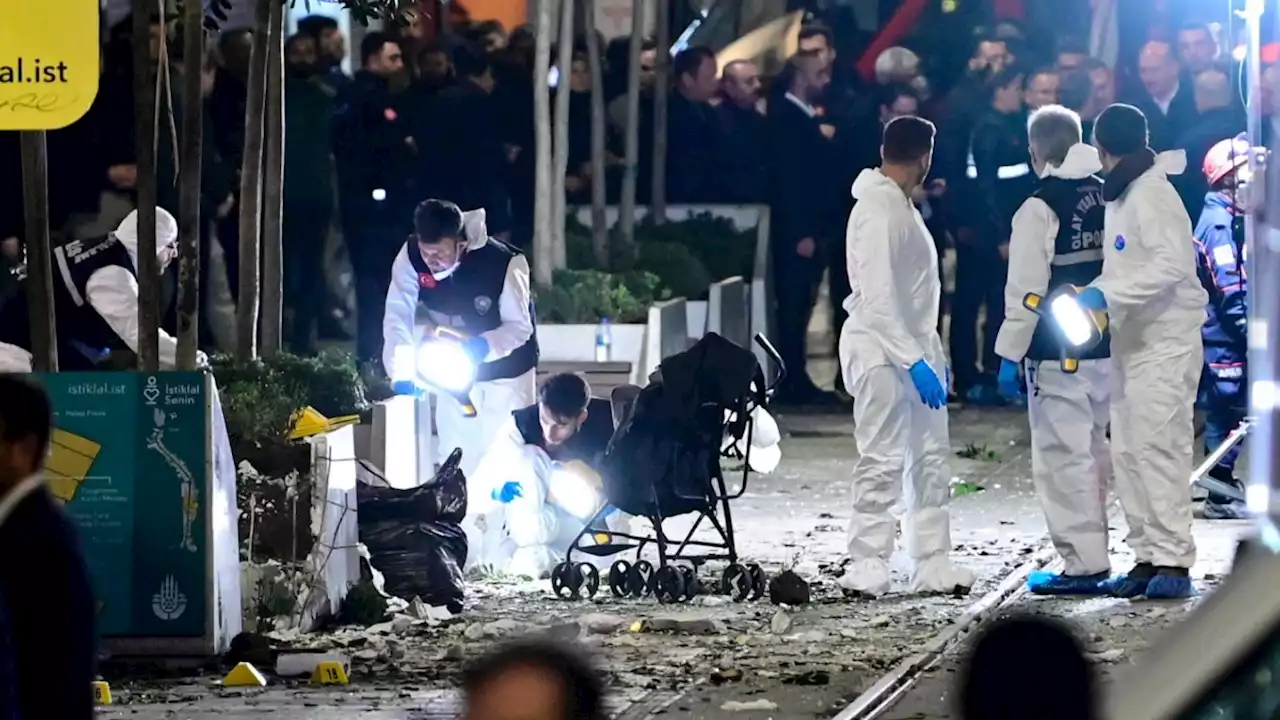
x: 145, y: 119
x: 35, y: 206
x: 564, y: 62
x: 543, y: 232
x: 627, y: 214
x: 251, y: 188
x: 273, y: 191
x: 599, y: 220
x: 190, y: 167
x: 661, y: 85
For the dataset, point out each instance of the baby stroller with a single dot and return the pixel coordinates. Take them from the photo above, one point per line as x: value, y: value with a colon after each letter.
x: 664, y: 461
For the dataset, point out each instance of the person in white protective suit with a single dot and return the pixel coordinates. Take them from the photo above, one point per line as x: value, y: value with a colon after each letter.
x: 95, y: 291
x: 895, y: 368
x: 1057, y: 240
x: 543, y: 502
x: 1156, y: 307
x: 450, y: 274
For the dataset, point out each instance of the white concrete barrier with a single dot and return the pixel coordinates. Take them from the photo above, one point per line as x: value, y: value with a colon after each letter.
x: 333, y: 565
x: 667, y: 334
x: 762, y: 320
x: 729, y: 312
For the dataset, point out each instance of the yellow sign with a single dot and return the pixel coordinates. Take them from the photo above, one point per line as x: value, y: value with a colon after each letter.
x: 48, y: 63
x: 70, y: 457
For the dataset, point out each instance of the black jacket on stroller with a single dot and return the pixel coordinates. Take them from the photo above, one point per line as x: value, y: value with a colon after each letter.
x: 662, y: 460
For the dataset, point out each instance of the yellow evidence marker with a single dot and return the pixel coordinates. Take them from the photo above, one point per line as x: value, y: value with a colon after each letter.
x: 244, y: 675
x: 101, y: 692
x: 329, y: 672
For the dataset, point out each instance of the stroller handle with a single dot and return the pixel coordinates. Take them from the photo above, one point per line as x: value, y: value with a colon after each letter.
x: 776, y: 358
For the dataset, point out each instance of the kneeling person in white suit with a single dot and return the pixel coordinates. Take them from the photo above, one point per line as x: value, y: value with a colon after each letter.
x: 1057, y: 240
x: 543, y: 504
x: 895, y: 367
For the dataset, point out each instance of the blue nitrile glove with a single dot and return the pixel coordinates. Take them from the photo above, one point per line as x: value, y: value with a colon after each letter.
x: 928, y: 384
x: 508, y: 492
x: 405, y: 387
x: 1010, y: 379
x: 1092, y: 298
x: 477, y: 347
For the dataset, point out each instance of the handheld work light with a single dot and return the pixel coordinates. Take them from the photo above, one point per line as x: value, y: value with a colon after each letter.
x: 441, y: 363
x: 1078, y: 327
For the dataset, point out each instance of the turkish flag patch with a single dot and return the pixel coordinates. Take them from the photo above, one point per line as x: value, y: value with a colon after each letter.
x: 426, y: 280
x: 389, y: 114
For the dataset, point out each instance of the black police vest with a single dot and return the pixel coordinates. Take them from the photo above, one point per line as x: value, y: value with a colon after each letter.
x: 79, y: 324
x: 1077, y: 252
x: 587, y: 445
x: 467, y: 301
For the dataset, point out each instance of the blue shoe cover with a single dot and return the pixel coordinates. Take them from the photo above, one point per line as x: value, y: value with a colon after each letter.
x: 1129, y: 586
x: 1170, y: 587
x: 1043, y: 582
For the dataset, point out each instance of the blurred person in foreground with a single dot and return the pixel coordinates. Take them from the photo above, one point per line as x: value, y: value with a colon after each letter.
x: 893, y: 364
x: 1057, y: 240
x: 1152, y: 294
x: 44, y: 582
x: 996, y: 680
x: 1220, y: 242
x: 533, y: 681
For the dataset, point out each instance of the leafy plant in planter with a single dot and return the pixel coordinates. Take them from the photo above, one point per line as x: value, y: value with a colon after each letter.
x: 676, y: 267
x: 585, y: 296
x: 722, y: 249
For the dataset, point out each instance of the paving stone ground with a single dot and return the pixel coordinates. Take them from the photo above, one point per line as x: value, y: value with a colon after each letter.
x: 820, y: 657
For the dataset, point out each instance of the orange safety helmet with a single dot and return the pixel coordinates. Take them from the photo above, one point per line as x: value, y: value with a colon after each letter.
x: 1226, y: 157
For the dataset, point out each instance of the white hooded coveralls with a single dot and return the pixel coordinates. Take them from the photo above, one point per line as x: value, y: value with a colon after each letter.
x: 494, y: 400
x: 903, y: 445
x: 1156, y: 307
x: 1070, y: 457
x: 113, y: 293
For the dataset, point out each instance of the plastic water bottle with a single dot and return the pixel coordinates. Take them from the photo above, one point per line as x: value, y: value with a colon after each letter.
x: 604, y: 341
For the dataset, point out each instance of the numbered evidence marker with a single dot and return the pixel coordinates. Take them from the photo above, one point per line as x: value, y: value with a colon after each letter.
x: 101, y: 693
x: 329, y: 672
x: 244, y: 675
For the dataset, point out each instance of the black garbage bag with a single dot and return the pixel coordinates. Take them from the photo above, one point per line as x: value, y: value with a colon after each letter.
x: 415, y: 537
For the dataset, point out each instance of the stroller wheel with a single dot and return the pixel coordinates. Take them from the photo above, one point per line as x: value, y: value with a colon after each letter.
x: 588, y: 576
x: 620, y: 578
x: 565, y: 582
x: 736, y: 582
x: 691, y: 585
x: 640, y: 579
x: 669, y: 584
x: 759, y: 581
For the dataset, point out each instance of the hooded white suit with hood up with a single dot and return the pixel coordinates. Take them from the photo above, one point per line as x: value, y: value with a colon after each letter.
x: 113, y: 293
x: 903, y: 445
x: 1071, y: 461
x: 1156, y: 307
x: 494, y: 400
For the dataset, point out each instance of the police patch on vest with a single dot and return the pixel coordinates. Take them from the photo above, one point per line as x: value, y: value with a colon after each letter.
x: 483, y: 303
x: 1119, y: 242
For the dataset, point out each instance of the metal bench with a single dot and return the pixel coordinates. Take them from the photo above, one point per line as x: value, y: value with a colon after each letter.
x: 603, y: 376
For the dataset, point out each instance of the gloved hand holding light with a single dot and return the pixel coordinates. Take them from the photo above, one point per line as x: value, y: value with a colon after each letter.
x: 443, y: 362
x: 1077, y: 314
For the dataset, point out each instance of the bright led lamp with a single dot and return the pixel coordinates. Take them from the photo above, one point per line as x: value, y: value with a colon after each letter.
x: 1079, y: 328
x: 440, y: 364
x: 575, y: 488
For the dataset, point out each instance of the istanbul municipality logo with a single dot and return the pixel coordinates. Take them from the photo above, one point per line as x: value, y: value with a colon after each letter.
x: 169, y: 603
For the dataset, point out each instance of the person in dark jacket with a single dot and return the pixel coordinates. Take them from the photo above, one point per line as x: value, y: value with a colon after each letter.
x: 694, y: 172
x: 806, y: 212
x: 1219, y: 119
x: 1001, y: 180
x: 1168, y: 104
x: 308, y: 188
x: 1220, y: 264
x: 44, y: 587
x: 742, y: 128
x: 374, y: 149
